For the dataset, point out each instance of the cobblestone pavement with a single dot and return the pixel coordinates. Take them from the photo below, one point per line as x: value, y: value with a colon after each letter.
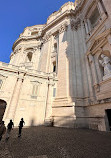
x: 50, y: 142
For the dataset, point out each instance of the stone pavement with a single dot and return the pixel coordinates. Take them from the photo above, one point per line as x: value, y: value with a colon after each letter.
x: 50, y: 142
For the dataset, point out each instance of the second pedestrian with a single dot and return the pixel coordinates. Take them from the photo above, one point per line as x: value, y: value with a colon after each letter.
x: 21, y: 126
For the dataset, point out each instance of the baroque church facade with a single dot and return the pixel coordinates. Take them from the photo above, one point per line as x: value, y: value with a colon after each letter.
x: 60, y: 71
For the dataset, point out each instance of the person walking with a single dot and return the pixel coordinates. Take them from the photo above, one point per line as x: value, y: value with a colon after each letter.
x: 9, y: 128
x: 21, y: 126
x: 2, y: 129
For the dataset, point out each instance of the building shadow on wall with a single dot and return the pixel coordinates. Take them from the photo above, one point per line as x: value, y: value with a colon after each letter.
x: 75, y: 66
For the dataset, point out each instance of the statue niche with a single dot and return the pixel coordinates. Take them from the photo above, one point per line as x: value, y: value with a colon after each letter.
x: 105, y: 62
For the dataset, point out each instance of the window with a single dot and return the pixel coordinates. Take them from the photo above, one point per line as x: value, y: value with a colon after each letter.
x: 29, y: 56
x: 94, y: 17
x: 54, y: 92
x: 34, y: 90
x: 54, y: 66
x: 55, y: 46
x: 34, y: 33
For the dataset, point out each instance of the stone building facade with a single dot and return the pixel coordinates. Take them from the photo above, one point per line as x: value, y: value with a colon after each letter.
x: 61, y: 71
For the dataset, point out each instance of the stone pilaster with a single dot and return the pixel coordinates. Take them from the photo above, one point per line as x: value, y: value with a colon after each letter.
x: 15, y: 97
x: 63, y: 84
x: 89, y: 76
x: 84, y: 69
x: 45, y: 54
x: 48, y: 113
x: 94, y: 73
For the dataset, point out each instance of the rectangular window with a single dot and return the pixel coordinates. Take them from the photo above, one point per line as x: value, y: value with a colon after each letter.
x: 54, y: 66
x: 94, y: 17
x: 34, y: 33
x: 54, y: 92
x: 34, y: 91
x: 55, y: 46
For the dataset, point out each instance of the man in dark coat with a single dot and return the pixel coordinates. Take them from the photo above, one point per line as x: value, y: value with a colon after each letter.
x: 21, y: 126
x: 9, y: 128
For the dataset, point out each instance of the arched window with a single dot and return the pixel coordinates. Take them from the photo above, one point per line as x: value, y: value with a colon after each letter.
x: 29, y: 56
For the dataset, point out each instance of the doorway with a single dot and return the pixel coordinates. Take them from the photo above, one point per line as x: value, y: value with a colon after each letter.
x: 2, y: 108
x: 108, y: 113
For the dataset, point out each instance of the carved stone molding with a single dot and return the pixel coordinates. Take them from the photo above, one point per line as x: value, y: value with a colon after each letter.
x: 102, y: 101
x: 75, y: 24
x: 35, y: 82
x: 17, y: 50
x: 31, y: 49
x: 107, y: 100
x: 21, y: 75
x: 63, y: 28
x: 2, y: 76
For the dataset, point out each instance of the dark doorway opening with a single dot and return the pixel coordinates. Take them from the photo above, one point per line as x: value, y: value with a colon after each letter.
x: 2, y: 108
x: 108, y: 112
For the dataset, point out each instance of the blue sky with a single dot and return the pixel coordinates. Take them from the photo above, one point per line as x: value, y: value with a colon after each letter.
x: 15, y: 15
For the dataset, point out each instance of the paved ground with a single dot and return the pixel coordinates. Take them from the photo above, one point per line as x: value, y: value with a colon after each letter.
x: 49, y: 142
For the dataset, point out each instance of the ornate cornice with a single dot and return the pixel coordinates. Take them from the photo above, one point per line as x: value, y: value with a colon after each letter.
x: 60, y: 16
x: 2, y: 76
x: 25, y: 38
